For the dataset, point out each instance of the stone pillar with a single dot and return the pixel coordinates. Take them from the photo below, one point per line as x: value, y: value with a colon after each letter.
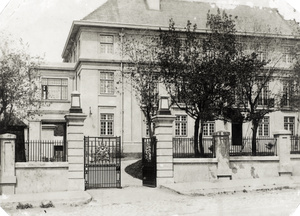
x: 164, y: 136
x: 222, y: 146
x: 283, y: 142
x: 75, y: 151
x: 7, y: 174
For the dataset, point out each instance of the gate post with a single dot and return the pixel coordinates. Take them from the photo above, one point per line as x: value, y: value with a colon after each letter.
x: 164, y: 135
x: 75, y: 149
x: 8, y: 178
x: 283, y: 142
x: 222, y: 145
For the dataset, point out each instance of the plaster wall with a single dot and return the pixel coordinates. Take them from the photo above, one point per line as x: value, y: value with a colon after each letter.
x: 295, y: 162
x: 193, y: 170
x: 41, y: 177
x: 254, y: 167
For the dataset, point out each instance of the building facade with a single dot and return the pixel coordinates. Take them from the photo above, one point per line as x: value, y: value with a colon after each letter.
x: 94, y: 65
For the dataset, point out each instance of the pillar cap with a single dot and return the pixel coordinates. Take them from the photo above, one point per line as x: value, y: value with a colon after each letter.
x: 8, y: 136
x: 282, y: 132
x: 221, y: 133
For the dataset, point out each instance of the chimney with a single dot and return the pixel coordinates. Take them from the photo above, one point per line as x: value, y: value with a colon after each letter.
x: 153, y: 4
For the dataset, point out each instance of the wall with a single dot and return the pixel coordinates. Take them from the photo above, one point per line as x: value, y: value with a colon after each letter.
x: 254, y: 167
x: 295, y: 161
x: 201, y: 169
x: 41, y: 177
x: 197, y: 169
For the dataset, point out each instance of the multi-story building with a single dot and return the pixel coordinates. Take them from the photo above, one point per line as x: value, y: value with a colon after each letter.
x: 94, y: 66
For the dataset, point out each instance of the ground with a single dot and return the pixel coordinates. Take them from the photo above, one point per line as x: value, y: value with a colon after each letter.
x: 160, y: 202
x: 134, y: 199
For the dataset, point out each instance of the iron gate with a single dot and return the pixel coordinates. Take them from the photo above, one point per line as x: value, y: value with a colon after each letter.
x: 149, y: 162
x: 102, y: 162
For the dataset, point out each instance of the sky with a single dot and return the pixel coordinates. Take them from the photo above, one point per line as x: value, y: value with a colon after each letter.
x: 294, y: 3
x: 45, y: 26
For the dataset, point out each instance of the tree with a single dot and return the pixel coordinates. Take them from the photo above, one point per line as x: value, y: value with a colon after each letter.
x: 256, y: 70
x: 199, y: 71
x: 141, y: 52
x: 20, y: 97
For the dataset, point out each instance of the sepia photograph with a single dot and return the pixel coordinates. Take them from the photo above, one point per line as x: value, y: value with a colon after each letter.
x: 150, y: 107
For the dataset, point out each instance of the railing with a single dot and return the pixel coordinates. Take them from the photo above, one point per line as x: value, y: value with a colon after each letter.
x: 183, y: 147
x: 265, y: 146
x: 295, y: 145
x: 45, y: 151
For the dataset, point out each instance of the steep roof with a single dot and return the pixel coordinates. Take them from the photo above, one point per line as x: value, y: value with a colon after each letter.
x: 135, y: 12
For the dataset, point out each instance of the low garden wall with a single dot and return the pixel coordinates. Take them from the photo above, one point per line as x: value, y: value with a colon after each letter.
x: 38, y: 177
x: 194, y: 169
x: 205, y: 169
x: 295, y: 161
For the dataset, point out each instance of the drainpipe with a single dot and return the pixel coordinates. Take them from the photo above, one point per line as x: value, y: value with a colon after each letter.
x: 122, y: 80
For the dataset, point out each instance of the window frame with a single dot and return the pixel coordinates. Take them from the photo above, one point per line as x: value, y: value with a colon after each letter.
x: 287, y: 54
x: 45, y: 88
x: 210, y: 125
x: 287, y: 124
x: 107, y: 43
x: 181, y: 126
x: 263, y: 125
x: 264, y: 97
x: 109, y: 90
x: 107, y: 120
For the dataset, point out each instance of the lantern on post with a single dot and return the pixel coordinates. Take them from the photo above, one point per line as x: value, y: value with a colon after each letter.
x: 75, y: 102
x: 164, y: 108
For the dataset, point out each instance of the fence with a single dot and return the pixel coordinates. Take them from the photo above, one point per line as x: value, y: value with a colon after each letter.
x: 45, y: 151
x: 183, y: 147
x: 265, y: 146
x: 295, y: 145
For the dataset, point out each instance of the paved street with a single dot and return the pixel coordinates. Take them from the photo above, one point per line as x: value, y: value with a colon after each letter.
x: 133, y: 199
x: 159, y: 202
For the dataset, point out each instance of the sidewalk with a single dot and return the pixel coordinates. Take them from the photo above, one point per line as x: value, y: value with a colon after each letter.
x: 57, y: 198
x: 231, y: 186
x: 72, y: 198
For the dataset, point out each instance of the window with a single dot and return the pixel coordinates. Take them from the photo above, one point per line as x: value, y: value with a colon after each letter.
x: 264, y: 97
x: 106, y: 83
x: 106, y: 44
x: 181, y: 125
x: 106, y: 124
x: 263, y: 128
x: 208, y: 128
x: 54, y: 89
x: 287, y: 93
x: 287, y: 54
x: 289, y: 124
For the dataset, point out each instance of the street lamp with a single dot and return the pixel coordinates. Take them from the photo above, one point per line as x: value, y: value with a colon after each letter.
x: 164, y: 106
x: 75, y: 102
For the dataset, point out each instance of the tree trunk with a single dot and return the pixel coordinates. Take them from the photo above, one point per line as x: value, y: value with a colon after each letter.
x: 150, y: 128
x: 201, y: 140
x: 196, y: 133
x: 254, y: 133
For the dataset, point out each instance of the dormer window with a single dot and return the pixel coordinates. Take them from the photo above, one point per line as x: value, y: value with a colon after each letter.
x: 106, y: 44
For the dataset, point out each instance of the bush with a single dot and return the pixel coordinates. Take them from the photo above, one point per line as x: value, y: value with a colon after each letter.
x: 47, y: 205
x: 24, y: 206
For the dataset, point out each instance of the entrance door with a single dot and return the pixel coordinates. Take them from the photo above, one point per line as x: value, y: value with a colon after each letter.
x: 237, y: 133
x: 102, y: 162
x: 149, y: 162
